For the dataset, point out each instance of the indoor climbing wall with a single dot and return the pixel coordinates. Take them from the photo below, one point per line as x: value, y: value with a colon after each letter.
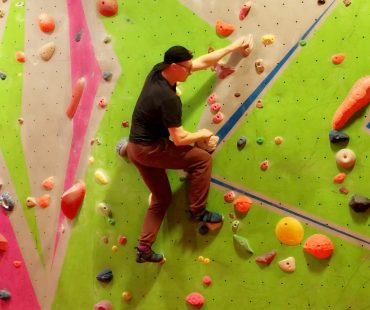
x: 70, y: 77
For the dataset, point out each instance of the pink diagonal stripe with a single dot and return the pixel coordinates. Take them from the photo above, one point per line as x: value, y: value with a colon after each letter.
x: 83, y: 64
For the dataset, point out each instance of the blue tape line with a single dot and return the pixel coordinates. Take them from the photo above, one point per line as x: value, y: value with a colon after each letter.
x: 225, y: 129
x: 280, y: 207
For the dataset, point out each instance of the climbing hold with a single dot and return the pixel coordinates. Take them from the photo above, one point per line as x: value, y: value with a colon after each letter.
x: 319, y: 246
x: 114, y: 248
x: 235, y: 226
x: 107, y: 8
x: 17, y: 263
x: 211, y: 98
x: 266, y: 258
x: 200, y: 259
x: 260, y: 67
x: 215, y: 107
x: 2, y: 13
x: 19, y: 56
x: 6, y: 201
x: 268, y: 39
x: 122, y: 240
x: 72, y: 199
x: 241, y: 143
x: 31, y: 202
x: 78, y: 36
x: 320, y: 2
x: 289, y: 231
x: 203, y: 230
x: 302, y: 43
x: 107, y: 39
x: 243, y: 243
x: 76, y: 96
x: 126, y: 296
x: 47, y: 51
x: 260, y: 140
x: 207, y: 280
x: 347, y: 2
x: 3, y: 243
x: 44, y: 201
x: 5, y: 295
x: 357, y: 98
x: 111, y: 221
x: 46, y: 23
x: 242, y: 204
x: 336, y: 136
x: 105, y: 276
x: 259, y: 104
x: 103, y: 305
x: 278, y: 140
x: 104, y: 209
x: 218, y: 118
x: 20, y: 121
x: 195, y: 299
x: 105, y: 239
x: 288, y: 264
x: 359, y: 203
x: 338, y: 58
x: 125, y: 124
x: 339, y: 178
x: 209, y: 145
x: 264, y: 165
x: 222, y: 71
x: 107, y: 76
x: 206, y: 260
x: 345, y: 158
x: 101, y: 177
x: 229, y: 196
x: 343, y: 190
x: 2, y: 76
x: 102, y: 103
x: 244, y: 10
x: 224, y: 29
x: 237, y: 95
x: 48, y: 183
x: 91, y: 160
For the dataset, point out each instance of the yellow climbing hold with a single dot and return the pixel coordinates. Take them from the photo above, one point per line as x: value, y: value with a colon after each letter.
x: 101, y: 177
x: 289, y: 231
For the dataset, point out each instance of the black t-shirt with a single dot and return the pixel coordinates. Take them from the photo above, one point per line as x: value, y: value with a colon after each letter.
x: 157, y: 109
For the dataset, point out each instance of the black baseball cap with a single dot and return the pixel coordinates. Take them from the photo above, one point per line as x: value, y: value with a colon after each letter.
x: 174, y: 54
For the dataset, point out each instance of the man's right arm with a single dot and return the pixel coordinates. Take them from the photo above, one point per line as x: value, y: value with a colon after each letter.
x: 180, y: 136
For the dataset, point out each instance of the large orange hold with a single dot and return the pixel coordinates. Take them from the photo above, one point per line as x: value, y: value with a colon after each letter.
x: 289, y: 231
x: 72, y: 199
x: 242, y: 204
x: 224, y: 29
x: 319, y: 246
x: 107, y: 7
x: 46, y: 23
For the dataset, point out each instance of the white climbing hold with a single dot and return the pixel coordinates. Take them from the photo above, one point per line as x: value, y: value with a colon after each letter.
x: 288, y: 264
x: 47, y: 51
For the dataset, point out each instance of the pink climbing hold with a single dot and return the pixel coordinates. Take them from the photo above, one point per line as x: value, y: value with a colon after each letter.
x: 266, y: 258
x: 218, y: 118
x: 3, y: 243
x: 211, y: 98
x: 229, y: 196
x: 264, y: 165
x: 207, y: 280
x: 72, y: 199
x: 223, y: 72
x: 103, y: 305
x: 215, y: 107
x: 244, y: 10
x: 195, y: 299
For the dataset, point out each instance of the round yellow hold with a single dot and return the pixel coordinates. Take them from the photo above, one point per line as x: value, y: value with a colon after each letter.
x: 126, y: 296
x: 200, y: 259
x: 206, y: 260
x: 114, y: 248
x: 101, y: 177
x: 289, y: 231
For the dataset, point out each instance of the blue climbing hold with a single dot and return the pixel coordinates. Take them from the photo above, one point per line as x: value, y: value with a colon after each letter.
x: 105, y: 276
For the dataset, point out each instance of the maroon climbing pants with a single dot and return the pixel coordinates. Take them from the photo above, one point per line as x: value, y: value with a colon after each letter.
x: 152, y: 161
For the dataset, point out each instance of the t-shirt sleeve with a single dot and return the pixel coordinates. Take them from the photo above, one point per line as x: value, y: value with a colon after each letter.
x: 171, y: 110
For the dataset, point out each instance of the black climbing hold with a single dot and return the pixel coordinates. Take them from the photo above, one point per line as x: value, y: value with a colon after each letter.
x: 203, y: 230
x: 105, y: 276
x: 2, y: 75
x: 4, y: 295
x: 78, y: 36
x: 242, y: 141
x: 336, y: 136
x: 107, y: 76
x: 359, y: 203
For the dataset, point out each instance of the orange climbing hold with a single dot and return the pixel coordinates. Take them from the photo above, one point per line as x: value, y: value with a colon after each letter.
x: 242, y: 204
x: 48, y: 183
x: 357, y: 98
x: 76, y: 96
x: 46, y: 23
x: 338, y: 58
x: 224, y: 29
x: 19, y: 56
x: 107, y: 8
x: 339, y: 178
x: 319, y: 246
x: 44, y: 201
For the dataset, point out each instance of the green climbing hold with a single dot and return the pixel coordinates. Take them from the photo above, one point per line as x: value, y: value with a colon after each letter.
x: 302, y: 43
x: 260, y: 140
x: 111, y: 221
x: 243, y: 243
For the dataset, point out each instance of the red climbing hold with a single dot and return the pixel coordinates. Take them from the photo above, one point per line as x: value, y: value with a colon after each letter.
x: 223, y: 72
x: 107, y: 7
x: 72, y: 199
x: 223, y: 28
x: 46, y: 23
x: 242, y: 204
x: 244, y: 10
x: 266, y: 258
x: 3, y: 243
x: 319, y: 246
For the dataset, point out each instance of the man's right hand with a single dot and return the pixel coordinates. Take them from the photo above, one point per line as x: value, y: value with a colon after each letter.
x: 205, y: 134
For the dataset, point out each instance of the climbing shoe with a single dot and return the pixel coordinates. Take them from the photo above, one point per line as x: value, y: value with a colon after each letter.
x: 148, y: 256
x: 206, y: 216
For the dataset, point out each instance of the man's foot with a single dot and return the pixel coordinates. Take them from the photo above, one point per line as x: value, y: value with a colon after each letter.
x: 208, y: 217
x: 148, y: 256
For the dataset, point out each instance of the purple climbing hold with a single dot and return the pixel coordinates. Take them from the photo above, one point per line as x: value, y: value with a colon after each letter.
x: 78, y: 36
x: 105, y: 276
